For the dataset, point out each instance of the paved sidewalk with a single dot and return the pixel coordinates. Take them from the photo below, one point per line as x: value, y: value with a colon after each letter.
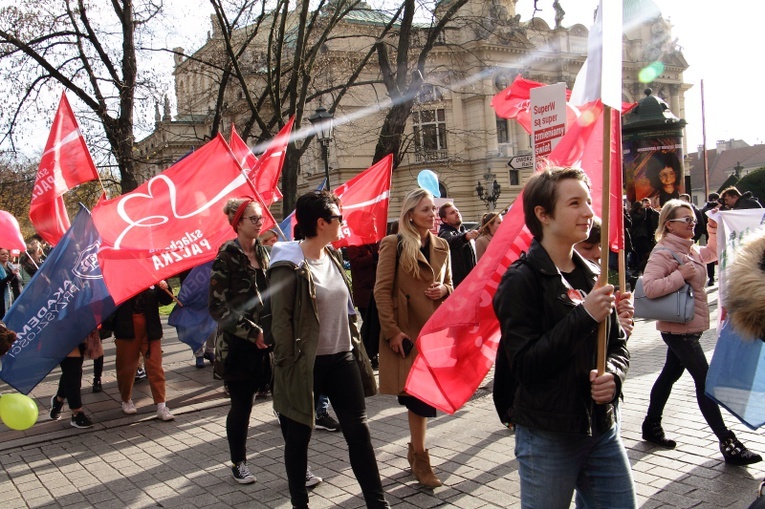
x: 137, y: 461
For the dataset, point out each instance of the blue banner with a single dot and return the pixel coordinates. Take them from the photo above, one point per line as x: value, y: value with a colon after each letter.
x: 736, y: 377
x: 65, y: 300
x: 192, y: 320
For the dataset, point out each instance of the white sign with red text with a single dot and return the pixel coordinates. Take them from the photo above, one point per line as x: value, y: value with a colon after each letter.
x: 548, y: 118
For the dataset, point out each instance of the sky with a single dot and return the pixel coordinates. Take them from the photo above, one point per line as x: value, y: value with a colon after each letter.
x: 722, y: 47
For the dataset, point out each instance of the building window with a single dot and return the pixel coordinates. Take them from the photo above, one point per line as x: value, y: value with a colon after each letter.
x: 515, y: 177
x: 503, y: 135
x: 429, y: 134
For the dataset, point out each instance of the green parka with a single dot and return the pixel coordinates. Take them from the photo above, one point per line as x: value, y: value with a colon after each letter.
x: 296, y: 331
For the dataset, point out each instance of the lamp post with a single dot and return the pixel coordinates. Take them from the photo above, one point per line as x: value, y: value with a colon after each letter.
x: 323, y: 123
x: 489, y: 196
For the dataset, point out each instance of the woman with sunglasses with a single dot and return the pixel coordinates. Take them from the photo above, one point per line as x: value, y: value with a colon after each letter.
x: 317, y: 347
x: 238, y: 302
x: 664, y: 274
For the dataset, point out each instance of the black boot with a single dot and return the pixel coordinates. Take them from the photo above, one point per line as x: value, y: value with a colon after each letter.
x: 736, y: 453
x: 654, y: 433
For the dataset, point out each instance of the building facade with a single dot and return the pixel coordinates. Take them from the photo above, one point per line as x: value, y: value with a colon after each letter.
x: 453, y: 129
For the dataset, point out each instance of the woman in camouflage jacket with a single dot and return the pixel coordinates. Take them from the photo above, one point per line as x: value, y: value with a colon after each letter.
x: 237, y: 301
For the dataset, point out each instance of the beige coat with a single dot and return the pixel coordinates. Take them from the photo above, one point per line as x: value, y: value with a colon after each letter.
x: 403, y: 306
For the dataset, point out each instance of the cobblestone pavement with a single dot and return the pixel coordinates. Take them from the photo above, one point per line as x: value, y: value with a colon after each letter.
x: 138, y: 461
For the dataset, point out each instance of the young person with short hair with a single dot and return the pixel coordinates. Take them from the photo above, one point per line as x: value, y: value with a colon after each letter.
x: 549, y: 308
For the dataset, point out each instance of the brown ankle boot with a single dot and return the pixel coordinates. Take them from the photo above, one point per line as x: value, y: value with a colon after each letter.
x: 422, y: 470
x: 410, y: 455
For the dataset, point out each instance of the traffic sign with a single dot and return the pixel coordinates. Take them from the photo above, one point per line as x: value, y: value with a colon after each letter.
x: 520, y: 162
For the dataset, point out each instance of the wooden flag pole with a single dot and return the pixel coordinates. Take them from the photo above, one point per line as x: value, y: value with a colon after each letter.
x: 604, y: 244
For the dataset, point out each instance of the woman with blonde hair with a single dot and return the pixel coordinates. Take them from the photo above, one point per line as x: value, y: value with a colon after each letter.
x: 413, y: 279
x: 674, y: 261
x: 489, y: 225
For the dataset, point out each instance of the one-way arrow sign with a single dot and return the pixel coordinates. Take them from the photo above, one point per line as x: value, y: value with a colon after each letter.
x: 520, y: 162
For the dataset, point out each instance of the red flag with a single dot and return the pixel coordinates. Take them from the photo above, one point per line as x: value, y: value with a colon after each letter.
x: 266, y: 170
x: 66, y: 163
x: 458, y: 344
x: 515, y: 101
x: 171, y: 223
x: 10, y: 234
x: 365, y: 201
x: 584, y: 149
x: 241, y: 151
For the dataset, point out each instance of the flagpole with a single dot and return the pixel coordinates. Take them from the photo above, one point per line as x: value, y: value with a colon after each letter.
x: 501, y: 213
x: 604, y: 243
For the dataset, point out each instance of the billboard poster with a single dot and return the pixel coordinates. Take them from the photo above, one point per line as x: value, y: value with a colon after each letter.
x: 653, y: 167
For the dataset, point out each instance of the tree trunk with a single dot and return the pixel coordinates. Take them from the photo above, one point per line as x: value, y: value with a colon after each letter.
x: 392, y: 133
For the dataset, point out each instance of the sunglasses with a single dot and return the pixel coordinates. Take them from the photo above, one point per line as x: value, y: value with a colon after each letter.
x: 686, y: 220
x: 339, y: 218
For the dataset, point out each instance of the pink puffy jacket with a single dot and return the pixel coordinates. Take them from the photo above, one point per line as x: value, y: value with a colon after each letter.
x: 661, y: 276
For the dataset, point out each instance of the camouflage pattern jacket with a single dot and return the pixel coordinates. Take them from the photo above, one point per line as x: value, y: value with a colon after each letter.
x: 239, y: 306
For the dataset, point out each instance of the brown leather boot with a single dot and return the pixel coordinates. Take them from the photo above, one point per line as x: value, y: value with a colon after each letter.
x: 423, y: 472
x: 410, y: 455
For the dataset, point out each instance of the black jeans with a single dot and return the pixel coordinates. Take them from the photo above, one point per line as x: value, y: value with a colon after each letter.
x: 685, y: 352
x: 238, y: 420
x: 338, y: 377
x: 70, y: 382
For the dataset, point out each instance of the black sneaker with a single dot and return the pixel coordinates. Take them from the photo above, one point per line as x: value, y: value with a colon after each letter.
x: 80, y: 420
x: 140, y: 374
x: 242, y: 474
x: 326, y: 422
x: 55, y: 408
x: 97, y: 385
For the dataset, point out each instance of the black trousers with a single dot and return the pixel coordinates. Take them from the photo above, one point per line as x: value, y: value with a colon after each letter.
x: 238, y: 420
x: 338, y: 377
x: 70, y: 382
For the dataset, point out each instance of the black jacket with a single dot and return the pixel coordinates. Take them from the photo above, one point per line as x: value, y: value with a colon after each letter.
x: 549, y: 346
x: 747, y: 201
x: 461, y: 251
x: 121, y: 322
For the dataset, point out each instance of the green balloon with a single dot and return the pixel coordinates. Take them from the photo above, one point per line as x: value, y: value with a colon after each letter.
x: 18, y: 411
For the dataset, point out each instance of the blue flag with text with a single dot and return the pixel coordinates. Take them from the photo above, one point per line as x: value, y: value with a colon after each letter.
x: 61, y: 305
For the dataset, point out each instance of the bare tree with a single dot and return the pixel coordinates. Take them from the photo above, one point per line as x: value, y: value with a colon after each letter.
x: 404, y: 76
x: 274, y: 62
x: 88, y: 49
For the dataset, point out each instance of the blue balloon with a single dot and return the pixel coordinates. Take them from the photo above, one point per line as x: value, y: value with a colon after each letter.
x: 429, y: 181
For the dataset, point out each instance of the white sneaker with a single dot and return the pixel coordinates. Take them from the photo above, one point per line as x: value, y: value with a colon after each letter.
x: 163, y: 414
x: 311, y: 479
x: 128, y: 407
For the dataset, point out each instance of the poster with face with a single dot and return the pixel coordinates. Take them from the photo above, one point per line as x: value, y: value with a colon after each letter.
x: 653, y: 168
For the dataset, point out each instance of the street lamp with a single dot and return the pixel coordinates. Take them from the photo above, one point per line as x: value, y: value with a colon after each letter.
x: 490, y: 197
x: 323, y: 123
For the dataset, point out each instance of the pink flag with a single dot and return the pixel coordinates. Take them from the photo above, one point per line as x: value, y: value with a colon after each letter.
x: 171, y: 223
x: 10, y: 234
x: 66, y: 163
x: 267, y: 169
x: 365, y: 205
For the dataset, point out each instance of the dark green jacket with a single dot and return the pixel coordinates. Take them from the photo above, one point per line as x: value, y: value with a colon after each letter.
x: 238, y: 305
x: 296, y: 330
